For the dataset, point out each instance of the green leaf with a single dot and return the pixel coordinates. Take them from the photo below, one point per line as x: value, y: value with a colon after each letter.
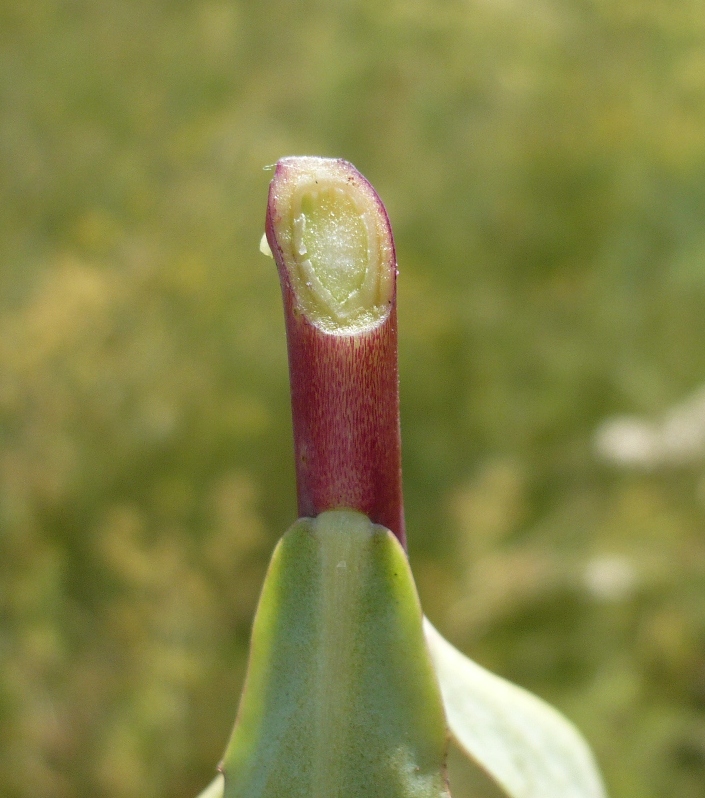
x: 524, y: 744
x: 340, y: 697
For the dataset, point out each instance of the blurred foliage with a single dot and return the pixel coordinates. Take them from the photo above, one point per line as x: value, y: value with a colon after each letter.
x: 544, y: 167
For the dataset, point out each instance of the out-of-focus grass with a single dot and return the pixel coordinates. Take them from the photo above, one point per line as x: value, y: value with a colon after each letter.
x: 544, y: 167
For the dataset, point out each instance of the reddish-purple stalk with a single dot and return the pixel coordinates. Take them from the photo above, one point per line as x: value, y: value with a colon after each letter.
x: 344, y: 395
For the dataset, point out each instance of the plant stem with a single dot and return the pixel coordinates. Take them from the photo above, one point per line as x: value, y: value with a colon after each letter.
x: 331, y: 239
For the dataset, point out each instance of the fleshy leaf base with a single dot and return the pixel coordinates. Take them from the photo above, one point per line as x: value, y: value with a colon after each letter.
x: 341, y: 698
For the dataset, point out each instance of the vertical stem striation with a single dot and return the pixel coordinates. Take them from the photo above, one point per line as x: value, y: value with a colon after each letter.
x: 331, y: 239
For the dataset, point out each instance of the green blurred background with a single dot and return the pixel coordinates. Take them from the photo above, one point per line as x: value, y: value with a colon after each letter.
x: 543, y: 163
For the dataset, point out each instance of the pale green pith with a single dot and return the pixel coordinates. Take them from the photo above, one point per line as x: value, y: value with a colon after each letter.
x: 334, y: 239
x: 341, y: 699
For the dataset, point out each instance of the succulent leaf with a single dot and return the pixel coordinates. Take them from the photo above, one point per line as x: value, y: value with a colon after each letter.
x: 341, y: 698
x: 523, y: 743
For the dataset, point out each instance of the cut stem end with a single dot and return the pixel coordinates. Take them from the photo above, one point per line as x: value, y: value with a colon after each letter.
x: 334, y: 244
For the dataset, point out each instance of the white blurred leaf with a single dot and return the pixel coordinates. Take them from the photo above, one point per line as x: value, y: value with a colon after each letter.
x: 215, y: 789
x: 524, y: 744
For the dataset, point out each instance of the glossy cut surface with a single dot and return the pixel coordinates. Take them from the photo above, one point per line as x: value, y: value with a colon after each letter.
x: 330, y: 234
